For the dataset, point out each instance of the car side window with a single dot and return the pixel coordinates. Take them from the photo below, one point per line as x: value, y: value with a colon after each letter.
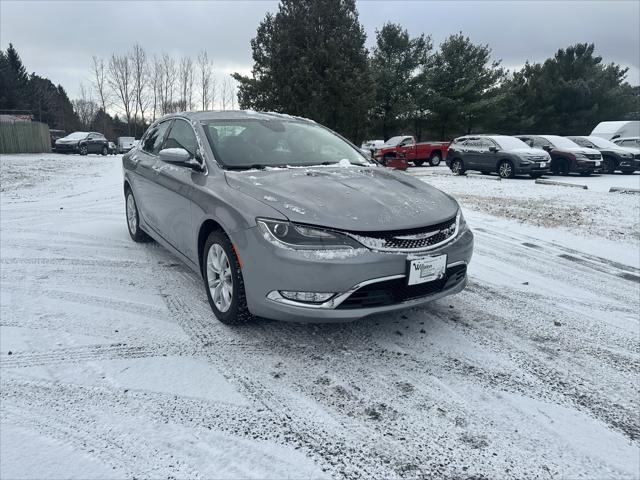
x: 182, y: 136
x: 153, y: 140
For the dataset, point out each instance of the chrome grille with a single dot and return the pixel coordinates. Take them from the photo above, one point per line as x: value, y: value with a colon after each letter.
x: 423, y: 238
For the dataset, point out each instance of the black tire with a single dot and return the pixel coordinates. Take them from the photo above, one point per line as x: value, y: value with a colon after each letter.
x: 587, y: 173
x: 418, y: 163
x: 506, y: 170
x: 628, y: 172
x: 105, y: 151
x: 535, y: 175
x: 83, y: 150
x: 238, y: 312
x: 435, y: 159
x: 560, y: 167
x: 485, y: 172
x: 608, y: 165
x: 457, y: 166
x: 136, y: 233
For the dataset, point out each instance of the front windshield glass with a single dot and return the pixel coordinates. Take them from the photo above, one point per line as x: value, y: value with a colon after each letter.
x: 561, y: 142
x: 393, y: 141
x: 77, y: 135
x: 510, y: 143
x: 259, y: 143
x: 602, y: 143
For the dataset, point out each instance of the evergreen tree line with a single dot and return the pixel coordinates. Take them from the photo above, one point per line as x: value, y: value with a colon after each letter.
x: 310, y: 60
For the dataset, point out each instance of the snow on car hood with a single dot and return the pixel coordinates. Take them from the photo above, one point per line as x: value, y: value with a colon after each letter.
x: 348, y: 198
x: 532, y: 152
x: 590, y: 151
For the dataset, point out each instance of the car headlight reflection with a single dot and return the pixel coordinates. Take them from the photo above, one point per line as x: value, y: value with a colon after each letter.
x: 303, y: 237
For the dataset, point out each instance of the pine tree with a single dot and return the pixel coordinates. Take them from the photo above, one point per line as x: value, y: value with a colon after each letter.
x: 310, y: 60
x: 396, y: 64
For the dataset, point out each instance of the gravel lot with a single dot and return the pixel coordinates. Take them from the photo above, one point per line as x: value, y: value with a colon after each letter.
x: 112, y: 365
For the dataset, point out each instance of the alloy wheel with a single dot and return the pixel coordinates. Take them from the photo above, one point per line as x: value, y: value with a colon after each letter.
x: 506, y: 170
x: 132, y: 214
x: 456, y: 167
x: 219, y: 277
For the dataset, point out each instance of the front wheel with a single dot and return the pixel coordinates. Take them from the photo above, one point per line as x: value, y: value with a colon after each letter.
x: 457, y: 167
x: 83, y: 150
x: 435, y: 160
x: 105, y: 151
x: 609, y: 166
x: 505, y: 170
x: 223, y: 280
x: 133, y: 219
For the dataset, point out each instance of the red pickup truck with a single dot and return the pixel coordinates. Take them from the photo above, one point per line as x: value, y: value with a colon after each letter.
x: 405, y: 146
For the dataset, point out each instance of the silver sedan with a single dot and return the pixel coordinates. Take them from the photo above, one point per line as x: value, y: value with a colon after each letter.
x: 285, y: 219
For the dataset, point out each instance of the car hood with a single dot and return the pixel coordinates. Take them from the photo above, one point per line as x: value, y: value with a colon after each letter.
x: 347, y: 198
x: 590, y: 151
x: 629, y: 149
x: 531, y: 152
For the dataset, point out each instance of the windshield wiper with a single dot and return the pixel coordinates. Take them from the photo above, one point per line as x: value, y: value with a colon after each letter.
x: 255, y: 166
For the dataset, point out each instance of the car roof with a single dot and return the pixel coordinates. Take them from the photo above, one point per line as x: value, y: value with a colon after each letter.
x: 234, y: 115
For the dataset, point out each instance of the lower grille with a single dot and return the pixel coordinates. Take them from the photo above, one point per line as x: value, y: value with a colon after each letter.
x: 391, y: 292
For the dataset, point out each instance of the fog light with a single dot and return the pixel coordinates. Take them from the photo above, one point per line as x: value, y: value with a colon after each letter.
x: 309, y: 297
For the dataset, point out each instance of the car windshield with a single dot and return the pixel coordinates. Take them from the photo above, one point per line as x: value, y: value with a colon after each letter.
x: 560, y: 142
x: 77, y: 135
x: 259, y: 143
x: 510, y: 143
x: 602, y: 143
x: 393, y: 141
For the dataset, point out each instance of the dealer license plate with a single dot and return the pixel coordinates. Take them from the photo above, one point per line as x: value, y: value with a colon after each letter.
x: 426, y: 269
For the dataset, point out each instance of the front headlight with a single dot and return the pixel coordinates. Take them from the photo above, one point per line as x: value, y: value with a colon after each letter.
x: 302, y: 237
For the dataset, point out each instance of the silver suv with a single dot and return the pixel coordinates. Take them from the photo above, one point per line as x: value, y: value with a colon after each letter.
x: 285, y: 219
x: 508, y: 156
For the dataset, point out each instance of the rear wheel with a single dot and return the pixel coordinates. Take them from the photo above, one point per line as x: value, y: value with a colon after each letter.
x: 418, y: 163
x: 435, y: 160
x: 223, y: 281
x: 505, y: 169
x: 133, y: 219
x: 457, y: 167
x: 105, y: 151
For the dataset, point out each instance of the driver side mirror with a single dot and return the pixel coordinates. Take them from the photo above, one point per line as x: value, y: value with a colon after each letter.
x: 546, y: 148
x: 179, y: 156
x: 493, y: 149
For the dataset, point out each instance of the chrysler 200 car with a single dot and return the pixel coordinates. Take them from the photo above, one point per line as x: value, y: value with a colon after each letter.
x: 284, y: 219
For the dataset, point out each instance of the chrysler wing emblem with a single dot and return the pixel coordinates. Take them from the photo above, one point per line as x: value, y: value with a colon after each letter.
x: 418, y: 236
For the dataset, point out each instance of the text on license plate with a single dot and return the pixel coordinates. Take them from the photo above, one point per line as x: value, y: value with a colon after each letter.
x: 426, y: 269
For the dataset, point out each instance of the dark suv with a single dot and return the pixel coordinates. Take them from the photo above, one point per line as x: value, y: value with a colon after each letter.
x: 496, y: 153
x: 566, y: 156
x: 83, y: 143
x: 614, y: 157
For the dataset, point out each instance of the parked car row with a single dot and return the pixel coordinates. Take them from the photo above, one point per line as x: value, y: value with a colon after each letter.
x: 537, y: 155
x: 90, y: 142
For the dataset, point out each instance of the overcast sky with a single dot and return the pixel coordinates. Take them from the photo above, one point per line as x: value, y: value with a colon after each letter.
x: 57, y: 39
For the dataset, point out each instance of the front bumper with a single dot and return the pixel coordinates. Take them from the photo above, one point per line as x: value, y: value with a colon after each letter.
x: 629, y: 164
x: 536, y: 167
x: 66, y: 147
x: 268, y: 269
x: 583, y: 166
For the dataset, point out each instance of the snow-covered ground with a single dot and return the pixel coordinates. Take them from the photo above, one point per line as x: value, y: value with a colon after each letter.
x: 112, y: 365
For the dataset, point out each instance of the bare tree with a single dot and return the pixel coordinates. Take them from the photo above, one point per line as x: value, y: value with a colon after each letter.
x: 186, y: 83
x: 155, y: 75
x: 140, y: 81
x: 85, y: 107
x: 214, y: 90
x: 99, y: 83
x: 232, y: 93
x: 121, y: 81
x: 224, y: 94
x: 168, y: 83
x: 204, y: 73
